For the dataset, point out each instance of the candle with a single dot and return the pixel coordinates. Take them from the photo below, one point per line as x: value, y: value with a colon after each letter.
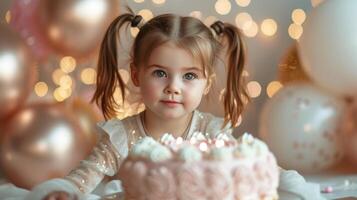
x: 179, y: 140
x: 219, y: 143
x: 203, y: 146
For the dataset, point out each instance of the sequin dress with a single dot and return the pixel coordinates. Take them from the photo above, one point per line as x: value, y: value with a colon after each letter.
x: 115, y: 143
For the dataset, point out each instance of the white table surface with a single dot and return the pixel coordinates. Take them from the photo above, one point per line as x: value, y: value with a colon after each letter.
x: 342, y: 178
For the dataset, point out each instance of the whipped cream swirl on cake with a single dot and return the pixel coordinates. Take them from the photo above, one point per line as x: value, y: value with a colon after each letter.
x: 198, y: 148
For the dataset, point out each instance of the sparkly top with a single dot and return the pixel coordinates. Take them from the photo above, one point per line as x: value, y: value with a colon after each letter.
x: 117, y: 139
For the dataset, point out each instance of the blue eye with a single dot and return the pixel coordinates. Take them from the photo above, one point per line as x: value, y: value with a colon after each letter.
x: 159, y: 73
x: 190, y: 76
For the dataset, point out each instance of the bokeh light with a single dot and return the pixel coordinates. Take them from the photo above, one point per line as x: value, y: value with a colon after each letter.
x: 88, y: 76
x: 65, y: 92
x: 196, y: 14
x: 210, y: 20
x: 295, y: 31
x: 146, y: 14
x: 273, y: 87
x: 158, y: 1
x: 243, y: 3
x: 254, y: 89
x: 56, y: 76
x: 60, y: 93
x: 269, y: 27
x: 243, y: 20
x: 57, y: 95
x: 298, y: 16
x: 252, y: 31
x: 66, y: 81
x: 41, y: 89
x: 223, y: 7
x: 68, y: 64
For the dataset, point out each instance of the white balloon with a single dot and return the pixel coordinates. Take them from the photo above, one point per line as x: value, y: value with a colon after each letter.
x: 300, y: 124
x: 328, y: 46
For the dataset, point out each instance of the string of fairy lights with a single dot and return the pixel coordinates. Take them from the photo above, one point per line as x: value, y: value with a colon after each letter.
x: 62, y: 76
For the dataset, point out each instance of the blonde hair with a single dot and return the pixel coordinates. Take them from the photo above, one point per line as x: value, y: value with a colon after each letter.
x: 187, y: 33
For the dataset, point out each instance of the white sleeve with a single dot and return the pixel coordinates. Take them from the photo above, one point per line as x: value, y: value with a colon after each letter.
x: 104, y: 160
x: 9, y: 191
x: 293, y: 184
x: 41, y: 190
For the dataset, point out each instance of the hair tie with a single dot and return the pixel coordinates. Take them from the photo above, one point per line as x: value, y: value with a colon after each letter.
x: 136, y: 21
x: 218, y: 27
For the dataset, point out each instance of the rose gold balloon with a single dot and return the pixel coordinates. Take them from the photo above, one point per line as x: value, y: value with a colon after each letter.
x: 41, y: 142
x: 290, y: 69
x: 17, y: 71
x: 87, y: 119
x: 76, y: 27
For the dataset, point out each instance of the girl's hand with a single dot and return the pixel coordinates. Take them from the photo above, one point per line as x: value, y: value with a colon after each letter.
x: 59, y: 195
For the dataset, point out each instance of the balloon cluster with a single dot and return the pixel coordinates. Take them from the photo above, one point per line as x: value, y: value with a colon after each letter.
x: 46, y: 136
x: 306, y: 124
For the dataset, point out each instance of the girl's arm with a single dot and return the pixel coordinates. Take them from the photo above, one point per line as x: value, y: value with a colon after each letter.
x: 104, y: 160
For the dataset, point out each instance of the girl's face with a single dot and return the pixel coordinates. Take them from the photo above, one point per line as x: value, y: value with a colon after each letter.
x: 172, y: 83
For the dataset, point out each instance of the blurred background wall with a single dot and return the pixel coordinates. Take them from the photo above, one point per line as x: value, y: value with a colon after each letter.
x: 271, y: 28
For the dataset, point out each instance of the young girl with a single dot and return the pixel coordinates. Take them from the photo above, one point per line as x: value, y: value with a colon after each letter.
x: 172, y: 63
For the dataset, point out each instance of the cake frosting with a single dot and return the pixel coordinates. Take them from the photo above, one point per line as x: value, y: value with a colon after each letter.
x: 202, y: 168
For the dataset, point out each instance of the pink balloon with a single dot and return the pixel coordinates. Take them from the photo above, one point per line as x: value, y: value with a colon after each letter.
x: 23, y: 20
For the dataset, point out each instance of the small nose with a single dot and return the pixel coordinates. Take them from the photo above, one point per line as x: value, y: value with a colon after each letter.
x: 173, y: 87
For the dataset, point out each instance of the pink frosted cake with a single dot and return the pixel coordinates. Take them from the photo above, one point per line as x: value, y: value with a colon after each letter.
x: 200, y: 169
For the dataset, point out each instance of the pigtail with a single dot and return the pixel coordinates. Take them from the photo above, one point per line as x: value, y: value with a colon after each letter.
x: 108, y: 77
x: 236, y: 92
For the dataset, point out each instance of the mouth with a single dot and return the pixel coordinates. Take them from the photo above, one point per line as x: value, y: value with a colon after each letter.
x: 170, y: 102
